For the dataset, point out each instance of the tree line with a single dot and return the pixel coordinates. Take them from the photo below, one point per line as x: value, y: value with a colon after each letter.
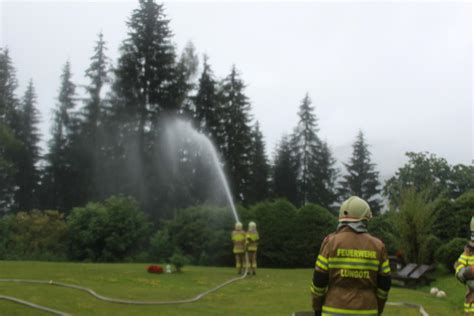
x: 106, y: 138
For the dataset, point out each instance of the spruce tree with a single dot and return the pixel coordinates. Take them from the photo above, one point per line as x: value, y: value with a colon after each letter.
x: 305, y: 147
x: 313, y: 160
x: 60, y: 178
x: 95, y: 160
x: 28, y: 173
x: 259, y: 168
x: 238, y: 137
x: 208, y: 109
x: 361, y: 178
x: 11, y: 148
x: 284, y: 172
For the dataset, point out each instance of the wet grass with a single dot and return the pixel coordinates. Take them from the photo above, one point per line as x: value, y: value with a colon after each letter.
x: 271, y: 292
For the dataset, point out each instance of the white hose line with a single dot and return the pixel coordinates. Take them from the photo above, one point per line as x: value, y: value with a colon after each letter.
x: 122, y: 301
x: 33, y: 305
x: 403, y: 304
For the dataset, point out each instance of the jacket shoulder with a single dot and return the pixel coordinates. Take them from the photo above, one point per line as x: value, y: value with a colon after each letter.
x: 376, y: 240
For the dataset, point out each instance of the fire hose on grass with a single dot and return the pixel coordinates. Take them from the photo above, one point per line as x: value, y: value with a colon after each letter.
x: 111, y: 299
x: 133, y: 302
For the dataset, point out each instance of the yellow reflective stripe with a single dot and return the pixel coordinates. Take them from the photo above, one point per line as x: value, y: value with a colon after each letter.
x: 322, y: 262
x: 352, y: 267
x: 318, y: 291
x: 332, y: 310
x: 462, y: 261
x: 321, y: 265
x: 323, y: 259
x: 459, y: 267
x: 382, y: 294
x: 468, y: 308
x: 359, y: 260
x: 467, y: 257
x: 386, y: 270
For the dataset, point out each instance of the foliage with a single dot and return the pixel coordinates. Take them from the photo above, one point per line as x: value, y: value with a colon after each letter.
x: 453, y: 217
x: 313, y: 160
x: 448, y: 253
x: 259, y: 168
x: 201, y: 232
x: 413, y: 223
x: 284, y: 172
x: 178, y: 260
x: 382, y: 226
x: 313, y: 223
x: 432, y: 174
x: 361, y: 178
x: 238, y: 134
x: 108, y: 231
x: 28, y: 176
x: 161, y: 247
x: 35, y: 235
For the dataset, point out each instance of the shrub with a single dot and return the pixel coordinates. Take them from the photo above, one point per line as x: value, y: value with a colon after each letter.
x: 35, y: 235
x: 448, y: 253
x: 313, y: 223
x: 383, y: 227
x: 108, y: 231
x: 179, y: 260
x: 161, y: 246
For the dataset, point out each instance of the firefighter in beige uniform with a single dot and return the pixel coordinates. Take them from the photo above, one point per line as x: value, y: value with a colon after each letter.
x: 252, y: 246
x: 352, y: 271
x: 464, y: 267
x: 238, y: 239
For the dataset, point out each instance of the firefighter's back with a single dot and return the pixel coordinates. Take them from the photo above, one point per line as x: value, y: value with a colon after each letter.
x: 354, y: 262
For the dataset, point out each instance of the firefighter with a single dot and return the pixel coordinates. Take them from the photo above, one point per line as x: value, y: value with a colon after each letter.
x: 352, y: 271
x: 252, y: 245
x: 464, y: 272
x: 238, y: 238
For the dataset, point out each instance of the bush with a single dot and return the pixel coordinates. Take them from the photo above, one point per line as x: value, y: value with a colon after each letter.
x: 34, y: 236
x: 313, y: 223
x: 383, y: 227
x: 108, y: 231
x: 202, y: 233
x: 161, y: 246
x: 275, y: 222
x: 179, y: 260
x: 448, y: 253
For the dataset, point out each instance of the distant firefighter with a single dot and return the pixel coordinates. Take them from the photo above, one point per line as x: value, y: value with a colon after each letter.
x: 238, y: 238
x: 352, y: 271
x: 464, y: 268
x: 252, y: 246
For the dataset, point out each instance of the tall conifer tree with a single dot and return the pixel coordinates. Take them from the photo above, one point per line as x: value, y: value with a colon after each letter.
x: 28, y: 173
x: 238, y: 137
x: 259, y: 168
x: 284, y: 172
x: 361, y: 178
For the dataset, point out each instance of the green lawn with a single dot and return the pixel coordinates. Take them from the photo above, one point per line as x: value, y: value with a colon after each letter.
x: 272, y: 292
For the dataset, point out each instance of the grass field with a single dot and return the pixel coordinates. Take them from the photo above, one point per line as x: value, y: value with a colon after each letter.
x: 271, y: 292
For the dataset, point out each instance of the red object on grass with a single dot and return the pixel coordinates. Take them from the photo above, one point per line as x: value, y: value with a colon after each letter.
x: 155, y: 269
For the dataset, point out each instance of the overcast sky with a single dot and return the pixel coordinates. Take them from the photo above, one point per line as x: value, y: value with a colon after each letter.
x: 401, y: 72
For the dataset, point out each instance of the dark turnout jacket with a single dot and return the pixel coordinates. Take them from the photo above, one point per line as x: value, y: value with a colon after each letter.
x: 352, y: 275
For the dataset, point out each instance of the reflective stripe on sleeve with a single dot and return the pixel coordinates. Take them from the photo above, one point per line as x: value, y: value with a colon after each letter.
x: 331, y: 311
x: 385, y: 267
x: 318, y: 291
x: 459, y: 267
x: 383, y: 295
x: 322, y: 263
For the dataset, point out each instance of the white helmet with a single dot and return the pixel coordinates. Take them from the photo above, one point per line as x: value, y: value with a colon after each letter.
x: 252, y: 226
x: 238, y: 226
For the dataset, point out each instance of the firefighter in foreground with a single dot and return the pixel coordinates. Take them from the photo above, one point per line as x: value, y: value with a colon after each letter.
x: 464, y: 268
x: 352, y: 271
x: 252, y: 245
x: 238, y: 238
